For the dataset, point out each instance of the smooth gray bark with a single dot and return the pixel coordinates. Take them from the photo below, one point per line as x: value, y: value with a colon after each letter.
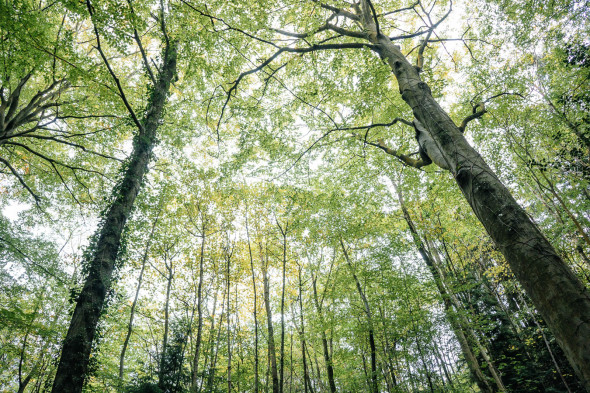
x: 556, y: 292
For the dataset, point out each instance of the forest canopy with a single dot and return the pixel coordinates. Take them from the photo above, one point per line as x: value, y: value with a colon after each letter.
x: 294, y: 196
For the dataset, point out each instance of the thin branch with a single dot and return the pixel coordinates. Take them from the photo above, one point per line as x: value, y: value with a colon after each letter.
x: 403, y: 158
x: 113, y: 75
x: 479, y: 110
x: 338, y: 11
x: 20, y: 179
x: 53, y: 161
x: 143, y: 54
x: 374, y: 17
x: 323, y: 136
x: 418, y: 33
x: 230, y: 27
x: 313, y: 48
x: 411, y: 7
x: 81, y: 147
x: 475, y: 115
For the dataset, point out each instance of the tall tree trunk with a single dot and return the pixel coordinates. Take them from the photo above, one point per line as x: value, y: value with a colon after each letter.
x: 215, y: 348
x: 306, y: 379
x: 23, y: 382
x: 195, y: 371
x: 282, y: 363
x: 367, y: 309
x: 426, y: 368
x: 211, y: 332
x: 443, y: 365
x: 229, y: 352
x: 567, y: 210
x: 463, y: 321
x: 291, y: 363
x: 554, y: 289
x: 103, y: 252
x: 256, y: 360
x: 134, y: 304
x: 166, y: 324
x: 271, y: 340
x: 545, y: 341
x: 388, y: 349
x: 327, y: 358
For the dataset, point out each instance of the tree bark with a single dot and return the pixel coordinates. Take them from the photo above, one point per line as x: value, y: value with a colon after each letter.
x: 464, y: 324
x: 194, y: 374
x: 256, y: 360
x: 306, y: 380
x: 556, y: 292
x: 229, y: 351
x: 215, y: 347
x: 73, y: 364
x: 271, y: 340
x: 282, y: 363
x: 166, y: 323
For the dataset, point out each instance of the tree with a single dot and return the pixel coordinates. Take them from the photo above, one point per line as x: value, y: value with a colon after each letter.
x: 102, y: 255
x: 43, y: 143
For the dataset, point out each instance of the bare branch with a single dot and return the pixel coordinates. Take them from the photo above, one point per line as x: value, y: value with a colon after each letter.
x: 403, y: 158
x: 475, y: 115
x: 53, y: 161
x: 374, y: 17
x: 479, y: 109
x: 230, y: 27
x: 323, y: 136
x: 432, y: 27
x: 338, y: 11
x: 81, y: 147
x: 143, y: 54
x: 394, y: 121
x: 411, y: 7
x: 327, y: 26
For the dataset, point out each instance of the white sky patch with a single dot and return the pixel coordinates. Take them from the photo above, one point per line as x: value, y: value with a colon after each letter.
x: 13, y: 209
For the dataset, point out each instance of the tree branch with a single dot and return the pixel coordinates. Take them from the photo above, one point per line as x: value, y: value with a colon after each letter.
x: 411, y: 7
x: 111, y: 72
x: 143, y: 54
x: 475, y: 115
x: 20, y: 179
x: 403, y: 158
x: 338, y: 11
x: 313, y: 48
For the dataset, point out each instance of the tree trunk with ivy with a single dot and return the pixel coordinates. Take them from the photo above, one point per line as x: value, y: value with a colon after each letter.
x: 102, y: 254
